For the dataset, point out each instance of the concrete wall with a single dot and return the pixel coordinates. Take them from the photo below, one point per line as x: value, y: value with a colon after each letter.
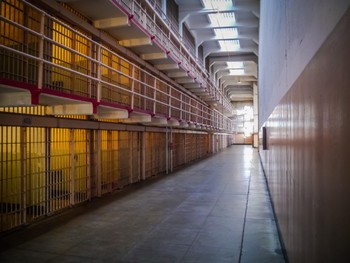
x: 305, y: 105
x: 291, y: 32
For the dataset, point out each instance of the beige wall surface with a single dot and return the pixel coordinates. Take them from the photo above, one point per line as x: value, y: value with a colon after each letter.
x: 291, y: 32
x: 308, y: 157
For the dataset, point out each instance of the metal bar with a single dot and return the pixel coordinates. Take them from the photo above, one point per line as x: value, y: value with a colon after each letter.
x: 23, y: 160
x: 72, y: 169
x: 98, y: 163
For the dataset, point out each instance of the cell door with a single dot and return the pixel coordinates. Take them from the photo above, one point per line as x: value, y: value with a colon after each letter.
x: 81, y: 166
x: 135, y: 146
x: 68, y: 176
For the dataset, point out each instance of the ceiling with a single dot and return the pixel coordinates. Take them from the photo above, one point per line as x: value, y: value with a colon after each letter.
x: 228, y: 30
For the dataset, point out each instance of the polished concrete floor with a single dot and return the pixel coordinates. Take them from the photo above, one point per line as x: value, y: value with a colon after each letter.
x: 216, y: 210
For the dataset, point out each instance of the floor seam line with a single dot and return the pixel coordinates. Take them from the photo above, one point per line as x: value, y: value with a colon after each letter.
x: 245, y: 219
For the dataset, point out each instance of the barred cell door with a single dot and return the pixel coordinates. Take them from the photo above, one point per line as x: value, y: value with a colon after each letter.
x: 68, y: 176
x: 81, y: 189
x: 135, y: 146
x: 59, y: 169
x: 12, y: 205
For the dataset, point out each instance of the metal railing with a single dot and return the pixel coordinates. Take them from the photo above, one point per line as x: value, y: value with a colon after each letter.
x: 182, y: 55
x: 85, y: 68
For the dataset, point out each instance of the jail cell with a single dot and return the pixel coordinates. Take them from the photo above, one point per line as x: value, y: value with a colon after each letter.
x: 109, y: 161
x: 106, y: 162
x: 124, y: 159
x: 162, y: 97
x: 178, y: 148
x: 148, y: 154
x: 11, y: 179
x: 190, y: 147
x: 81, y: 166
x: 155, y: 153
x: 35, y: 172
x: 59, y: 181
x: 203, y: 145
x: 160, y: 154
x: 135, y: 147
x: 13, y: 65
x: 115, y: 73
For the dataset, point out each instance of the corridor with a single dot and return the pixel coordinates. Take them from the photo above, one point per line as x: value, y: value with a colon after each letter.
x: 215, y: 210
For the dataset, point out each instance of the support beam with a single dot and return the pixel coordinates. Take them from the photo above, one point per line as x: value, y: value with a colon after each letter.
x: 70, y: 109
x: 185, y: 80
x: 249, y: 57
x: 251, y: 23
x: 191, y: 125
x: 138, y: 117
x: 184, y: 124
x: 13, y: 99
x: 179, y: 74
x: 192, y: 85
x: 111, y: 114
x: 158, y: 121
x: 173, y: 123
x: 154, y: 56
x: 167, y: 66
x: 113, y: 22
x: 136, y: 42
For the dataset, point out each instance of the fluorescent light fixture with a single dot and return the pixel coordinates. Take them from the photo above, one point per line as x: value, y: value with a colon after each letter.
x: 217, y: 4
x: 236, y: 71
x: 226, y: 33
x: 229, y: 45
x: 235, y: 64
x: 222, y: 19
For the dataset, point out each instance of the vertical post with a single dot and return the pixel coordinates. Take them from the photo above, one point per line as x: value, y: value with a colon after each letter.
x: 154, y: 95
x: 48, y: 169
x: 256, y: 116
x: 181, y: 107
x: 41, y: 52
x: 23, y: 148
x: 169, y: 102
x: 88, y: 165
x: 131, y: 138
x: 98, y: 163
x: 132, y: 86
x: 185, y: 148
x: 99, y: 73
x: 172, y: 149
x: 143, y: 154
x: 167, y: 150
x: 72, y: 172
x: 92, y: 161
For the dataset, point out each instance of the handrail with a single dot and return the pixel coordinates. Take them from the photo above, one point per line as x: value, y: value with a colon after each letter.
x: 189, y: 108
x: 134, y: 7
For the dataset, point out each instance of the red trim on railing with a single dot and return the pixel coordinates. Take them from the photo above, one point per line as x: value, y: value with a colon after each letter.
x: 18, y: 84
x: 66, y: 95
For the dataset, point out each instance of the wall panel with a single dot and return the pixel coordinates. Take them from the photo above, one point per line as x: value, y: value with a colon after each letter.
x: 306, y: 161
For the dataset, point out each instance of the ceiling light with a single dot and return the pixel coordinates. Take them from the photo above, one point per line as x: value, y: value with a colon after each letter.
x: 235, y: 64
x: 236, y: 71
x: 229, y: 45
x: 218, y: 4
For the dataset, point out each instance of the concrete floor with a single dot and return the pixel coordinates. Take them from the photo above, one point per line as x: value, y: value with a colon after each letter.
x: 216, y: 210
